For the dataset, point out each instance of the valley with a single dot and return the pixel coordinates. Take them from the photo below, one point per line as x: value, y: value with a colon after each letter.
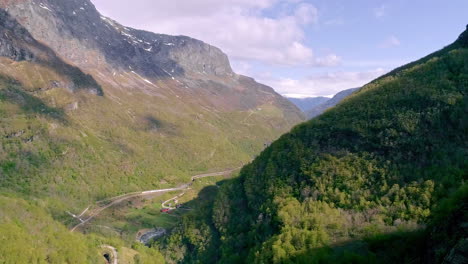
x: 373, y: 180
x: 83, y: 119
x: 120, y: 145
x: 93, y: 211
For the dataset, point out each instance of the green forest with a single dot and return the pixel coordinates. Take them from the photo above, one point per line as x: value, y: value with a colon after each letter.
x: 381, y: 178
x: 118, y: 145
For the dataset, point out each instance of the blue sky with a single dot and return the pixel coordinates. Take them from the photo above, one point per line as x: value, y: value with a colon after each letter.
x: 305, y: 48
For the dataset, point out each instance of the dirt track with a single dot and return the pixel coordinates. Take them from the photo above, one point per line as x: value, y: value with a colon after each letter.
x: 104, y: 204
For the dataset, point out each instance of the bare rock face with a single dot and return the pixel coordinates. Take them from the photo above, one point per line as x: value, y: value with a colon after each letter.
x: 86, y: 31
x: 14, y: 39
x: 76, y: 32
x: 17, y: 44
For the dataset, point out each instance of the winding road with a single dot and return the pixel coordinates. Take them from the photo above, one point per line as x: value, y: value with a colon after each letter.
x: 118, y: 199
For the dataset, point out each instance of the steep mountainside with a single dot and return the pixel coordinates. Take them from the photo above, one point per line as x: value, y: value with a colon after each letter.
x: 18, y: 45
x: 108, y: 50
x: 319, y: 109
x: 90, y: 109
x: 306, y: 104
x: 381, y: 178
x: 138, y: 104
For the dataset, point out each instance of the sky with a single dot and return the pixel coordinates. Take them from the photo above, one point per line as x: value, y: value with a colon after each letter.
x: 304, y: 48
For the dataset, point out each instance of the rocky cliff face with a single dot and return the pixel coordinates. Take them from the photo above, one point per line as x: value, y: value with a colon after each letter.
x: 17, y: 44
x: 85, y: 30
x: 15, y: 39
x: 100, y: 46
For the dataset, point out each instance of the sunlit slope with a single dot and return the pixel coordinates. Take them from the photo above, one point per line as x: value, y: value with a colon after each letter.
x: 80, y: 122
x: 375, y: 164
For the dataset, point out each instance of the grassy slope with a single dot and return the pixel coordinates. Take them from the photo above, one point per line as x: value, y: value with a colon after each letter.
x: 375, y: 164
x: 80, y: 147
x: 61, y: 151
x: 30, y: 235
x: 65, y: 150
x: 28, y: 153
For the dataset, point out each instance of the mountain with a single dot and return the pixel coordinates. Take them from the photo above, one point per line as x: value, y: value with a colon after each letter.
x: 315, y: 106
x: 79, y: 34
x: 320, y: 108
x: 380, y: 178
x: 91, y: 109
x: 149, y: 99
x: 306, y: 104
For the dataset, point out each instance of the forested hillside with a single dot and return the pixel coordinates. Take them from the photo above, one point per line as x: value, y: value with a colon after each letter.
x: 381, y: 178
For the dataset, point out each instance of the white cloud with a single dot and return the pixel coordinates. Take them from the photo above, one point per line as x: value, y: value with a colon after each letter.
x: 380, y: 11
x: 306, y: 14
x: 390, y: 42
x: 326, y: 84
x: 242, y: 29
x: 329, y: 61
x: 334, y: 22
x: 238, y: 27
x: 392, y: 63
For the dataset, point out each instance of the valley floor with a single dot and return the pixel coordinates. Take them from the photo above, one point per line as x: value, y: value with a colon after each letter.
x: 131, y: 216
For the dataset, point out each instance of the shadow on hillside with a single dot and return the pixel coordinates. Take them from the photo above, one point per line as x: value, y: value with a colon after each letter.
x: 81, y: 80
x: 147, y: 53
x: 28, y: 103
x: 197, y: 216
x: 207, y: 195
x: 154, y: 124
x: 25, y: 47
x: 397, y: 247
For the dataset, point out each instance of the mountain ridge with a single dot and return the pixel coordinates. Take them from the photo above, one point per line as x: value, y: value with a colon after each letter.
x: 18, y: 45
x: 80, y: 35
x: 124, y: 47
x: 336, y: 99
x: 369, y: 181
x: 305, y: 104
x: 148, y: 122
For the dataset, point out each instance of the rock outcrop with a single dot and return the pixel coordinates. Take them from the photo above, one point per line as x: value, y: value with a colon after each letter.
x: 85, y: 30
x: 17, y: 44
x: 103, y: 48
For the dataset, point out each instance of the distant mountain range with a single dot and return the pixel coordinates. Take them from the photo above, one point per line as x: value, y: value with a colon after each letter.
x: 306, y: 104
x: 315, y: 106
